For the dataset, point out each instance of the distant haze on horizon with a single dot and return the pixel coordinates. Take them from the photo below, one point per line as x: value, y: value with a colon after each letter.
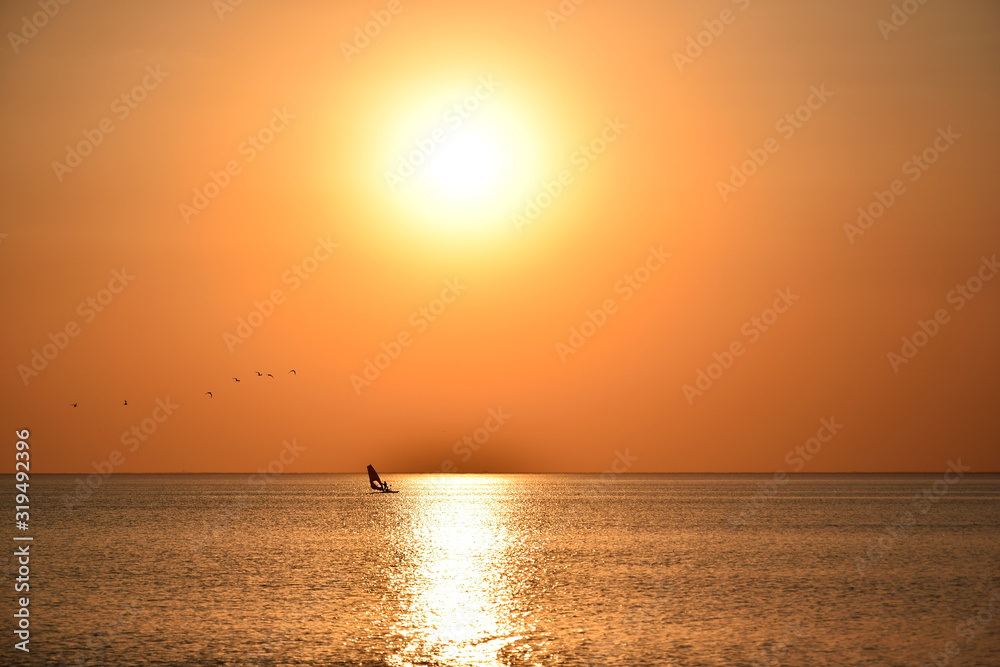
x: 657, y: 267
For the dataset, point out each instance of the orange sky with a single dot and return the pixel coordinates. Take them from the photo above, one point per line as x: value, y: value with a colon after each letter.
x: 310, y: 195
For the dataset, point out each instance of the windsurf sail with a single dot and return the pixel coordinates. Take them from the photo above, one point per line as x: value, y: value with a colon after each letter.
x: 374, y: 480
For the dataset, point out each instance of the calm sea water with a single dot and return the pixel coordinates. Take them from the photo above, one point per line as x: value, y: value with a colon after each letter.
x: 516, y: 570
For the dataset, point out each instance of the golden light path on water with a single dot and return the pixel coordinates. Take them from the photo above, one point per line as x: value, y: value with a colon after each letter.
x: 459, y: 599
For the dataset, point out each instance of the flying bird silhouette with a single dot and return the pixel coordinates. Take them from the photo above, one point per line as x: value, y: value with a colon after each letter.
x: 209, y: 394
x: 258, y: 373
x: 293, y: 372
x: 270, y: 376
x: 237, y: 379
x: 126, y: 402
x: 74, y: 405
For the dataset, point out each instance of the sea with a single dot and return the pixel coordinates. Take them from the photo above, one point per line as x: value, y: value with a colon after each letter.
x: 504, y: 569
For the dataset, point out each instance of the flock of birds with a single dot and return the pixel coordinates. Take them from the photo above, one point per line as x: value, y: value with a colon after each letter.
x: 209, y: 394
x: 259, y: 374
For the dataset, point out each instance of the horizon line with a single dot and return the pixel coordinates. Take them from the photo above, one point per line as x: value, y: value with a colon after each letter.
x: 605, y: 472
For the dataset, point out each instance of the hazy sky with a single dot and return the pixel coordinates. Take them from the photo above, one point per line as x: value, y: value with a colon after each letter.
x: 686, y: 177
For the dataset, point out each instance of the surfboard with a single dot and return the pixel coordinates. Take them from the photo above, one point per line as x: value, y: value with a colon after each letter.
x: 376, y: 482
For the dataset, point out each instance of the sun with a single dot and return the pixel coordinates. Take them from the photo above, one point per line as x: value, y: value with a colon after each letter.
x: 467, y: 166
x: 460, y: 166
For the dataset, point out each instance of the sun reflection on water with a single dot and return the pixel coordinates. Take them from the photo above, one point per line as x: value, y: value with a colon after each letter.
x: 458, y: 595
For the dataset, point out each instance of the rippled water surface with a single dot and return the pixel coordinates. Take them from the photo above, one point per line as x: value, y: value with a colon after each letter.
x: 516, y: 570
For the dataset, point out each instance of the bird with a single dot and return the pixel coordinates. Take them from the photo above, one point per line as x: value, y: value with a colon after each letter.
x: 237, y: 379
x: 258, y: 373
x: 293, y: 372
x: 126, y: 402
x: 270, y: 376
x: 209, y: 394
x: 74, y: 405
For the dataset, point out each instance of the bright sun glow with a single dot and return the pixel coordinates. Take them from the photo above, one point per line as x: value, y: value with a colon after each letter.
x: 469, y: 169
x: 466, y: 166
